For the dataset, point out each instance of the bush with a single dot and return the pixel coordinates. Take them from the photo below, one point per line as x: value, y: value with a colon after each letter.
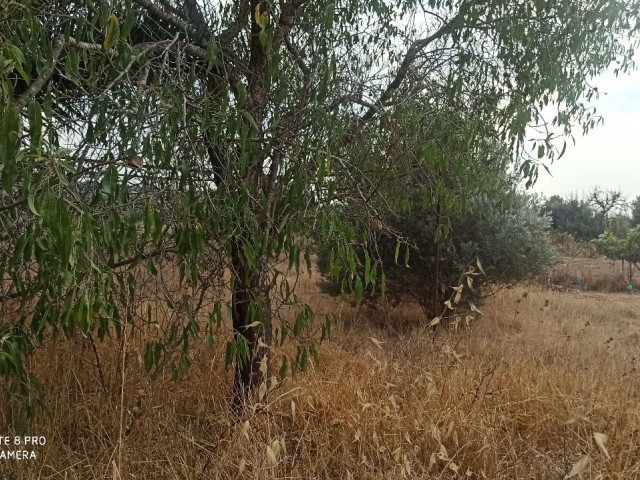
x: 625, y: 247
x: 507, y: 234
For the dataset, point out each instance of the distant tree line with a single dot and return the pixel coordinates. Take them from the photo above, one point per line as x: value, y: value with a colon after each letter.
x: 589, y: 216
x: 605, y: 217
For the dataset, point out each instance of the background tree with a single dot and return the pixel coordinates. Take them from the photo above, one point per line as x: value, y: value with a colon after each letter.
x: 619, y: 224
x: 606, y: 202
x: 624, y: 247
x: 586, y: 218
x: 574, y: 216
x: 499, y: 225
x: 635, y: 211
x: 249, y: 119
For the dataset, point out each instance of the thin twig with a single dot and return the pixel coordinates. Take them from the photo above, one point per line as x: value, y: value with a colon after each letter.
x: 145, y: 49
x: 124, y: 361
x: 98, y: 364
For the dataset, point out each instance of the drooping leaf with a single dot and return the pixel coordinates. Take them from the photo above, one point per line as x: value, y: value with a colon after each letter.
x: 112, y: 34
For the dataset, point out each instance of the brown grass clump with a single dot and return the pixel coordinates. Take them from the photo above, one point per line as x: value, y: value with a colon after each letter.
x: 542, y: 385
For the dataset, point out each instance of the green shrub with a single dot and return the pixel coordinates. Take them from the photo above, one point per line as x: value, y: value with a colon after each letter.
x: 507, y: 233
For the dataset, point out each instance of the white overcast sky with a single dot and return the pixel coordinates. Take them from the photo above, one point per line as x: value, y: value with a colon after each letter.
x: 609, y: 155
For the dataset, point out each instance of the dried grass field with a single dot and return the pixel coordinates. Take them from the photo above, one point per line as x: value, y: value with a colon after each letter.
x: 544, y: 385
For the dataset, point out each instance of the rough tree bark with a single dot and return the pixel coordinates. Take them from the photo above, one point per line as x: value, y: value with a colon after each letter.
x: 250, y: 288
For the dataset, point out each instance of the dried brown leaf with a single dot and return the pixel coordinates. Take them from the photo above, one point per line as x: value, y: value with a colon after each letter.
x: 271, y: 456
x: 578, y: 467
x: 601, y: 439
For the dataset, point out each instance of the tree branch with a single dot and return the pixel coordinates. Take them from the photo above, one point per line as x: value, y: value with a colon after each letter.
x: 16, y: 204
x: 412, y: 53
x: 198, y: 33
x: 146, y: 48
x: 161, y: 14
x: 40, y: 82
x: 297, y: 57
x: 289, y: 9
x: 142, y: 48
x: 140, y: 257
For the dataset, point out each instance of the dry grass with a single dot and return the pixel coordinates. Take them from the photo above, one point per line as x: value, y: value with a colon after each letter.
x: 582, y: 268
x: 516, y: 395
x: 593, y: 274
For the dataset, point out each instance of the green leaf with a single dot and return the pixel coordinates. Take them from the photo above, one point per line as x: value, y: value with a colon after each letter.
x: 151, y: 268
x: 149, y: 356
x: 213, y: 51
x: 314, y: 352
x: 367, y: 269
x: 284, y: 368
x: 8, y: 147
x: 357, y: 292
x: 250, y: 119
x: 19, y: 59
x: 564, y: 149
x: 32, y: 203
x: 242, y: 94
x: 250, y: 256
x: 128, y: 24
x: 72, y: 66
x: 299, y: 324
x: 149, y: 222
x: 303, y: 358
x: 242, y: 349
x: 34, y: 111
x: 230, y: 354
x: 307, y: 260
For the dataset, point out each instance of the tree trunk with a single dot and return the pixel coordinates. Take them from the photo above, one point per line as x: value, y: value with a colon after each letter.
x: 435, y: 299
x: 249, y: 303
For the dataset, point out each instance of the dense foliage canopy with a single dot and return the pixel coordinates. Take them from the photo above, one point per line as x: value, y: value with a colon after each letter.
x: 222, y: 134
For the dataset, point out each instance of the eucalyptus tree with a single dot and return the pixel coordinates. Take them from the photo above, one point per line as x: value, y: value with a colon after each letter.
x: 228, y: 132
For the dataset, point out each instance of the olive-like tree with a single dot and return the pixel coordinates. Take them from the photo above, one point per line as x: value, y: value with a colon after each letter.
x: 635, y: 211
